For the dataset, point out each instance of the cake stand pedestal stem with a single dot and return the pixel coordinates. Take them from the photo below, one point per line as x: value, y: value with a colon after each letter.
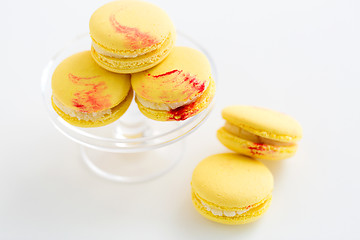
x: 133, y: 167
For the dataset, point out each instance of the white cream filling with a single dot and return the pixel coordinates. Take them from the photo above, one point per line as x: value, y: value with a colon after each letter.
x: 94, y: 116
x: 163, y: 106
x: 218, y: 212
x: 240, y: 132
x: 101, y: 51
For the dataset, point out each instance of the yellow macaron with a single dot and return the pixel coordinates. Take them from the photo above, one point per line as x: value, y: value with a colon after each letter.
x: 231, y: 189
x: 86, y: 95
x: 130, y: 36
x: 176, y: 89
x: 259, y: 132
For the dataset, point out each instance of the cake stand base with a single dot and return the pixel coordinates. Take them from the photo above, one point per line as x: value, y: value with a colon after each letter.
x: 133, y: 167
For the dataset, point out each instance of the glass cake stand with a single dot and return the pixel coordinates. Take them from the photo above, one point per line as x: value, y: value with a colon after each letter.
x: 133, y: 148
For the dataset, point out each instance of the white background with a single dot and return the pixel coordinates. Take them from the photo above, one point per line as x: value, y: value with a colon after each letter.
x: 298, y: 57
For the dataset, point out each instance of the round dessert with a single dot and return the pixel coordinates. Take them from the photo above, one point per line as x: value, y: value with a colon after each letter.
x: 176, y: 89
x: 86, y: 95
x: 231, y: 189
x: 130, y: 36
x: 259, y: 132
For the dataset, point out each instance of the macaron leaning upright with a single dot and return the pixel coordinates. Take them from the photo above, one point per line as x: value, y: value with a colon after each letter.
x: 231, y: 188
x: 130, y: 36
x: 178, y: 88
x: 86, y: 95
x: 259, y: 132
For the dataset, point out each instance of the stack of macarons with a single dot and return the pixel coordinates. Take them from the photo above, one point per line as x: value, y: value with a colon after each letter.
x: 235, y: 188
x: 132, y: 50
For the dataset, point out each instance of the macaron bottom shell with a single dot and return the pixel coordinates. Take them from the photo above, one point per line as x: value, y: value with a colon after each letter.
x: 256, y: 150
x: 133, y: 64
x: 117, y: 112
x: 250, y: 216
x: 183, y: 112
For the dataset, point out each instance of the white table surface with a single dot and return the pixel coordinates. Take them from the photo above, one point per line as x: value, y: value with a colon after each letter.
x: 298, y: 57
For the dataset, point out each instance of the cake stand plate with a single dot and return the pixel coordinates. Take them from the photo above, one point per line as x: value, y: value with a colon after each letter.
x: 133, y: 148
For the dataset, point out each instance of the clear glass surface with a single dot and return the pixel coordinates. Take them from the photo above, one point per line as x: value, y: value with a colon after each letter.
x: 133, y: 148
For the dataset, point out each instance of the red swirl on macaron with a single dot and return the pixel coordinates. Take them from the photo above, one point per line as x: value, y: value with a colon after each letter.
x: 134, y: 36
x: 179, y: 77
x: 92, y: 98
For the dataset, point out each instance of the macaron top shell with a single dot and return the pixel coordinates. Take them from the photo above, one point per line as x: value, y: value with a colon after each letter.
x: 182, y: 76
x: 231, y: 180
x: 80, y: 84
x: 129, y: 25
x: 264, y: 122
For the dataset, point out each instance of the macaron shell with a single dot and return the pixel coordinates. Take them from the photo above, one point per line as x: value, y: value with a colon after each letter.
x: 184, y: 112
x: 264, y: 122
x: 130, y: 26
x: 117, y: 112
x: 248, y: 148
x: 247, y: 217
x: 183, y: 75
x: 231, y: 180
x: 81, y: 84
